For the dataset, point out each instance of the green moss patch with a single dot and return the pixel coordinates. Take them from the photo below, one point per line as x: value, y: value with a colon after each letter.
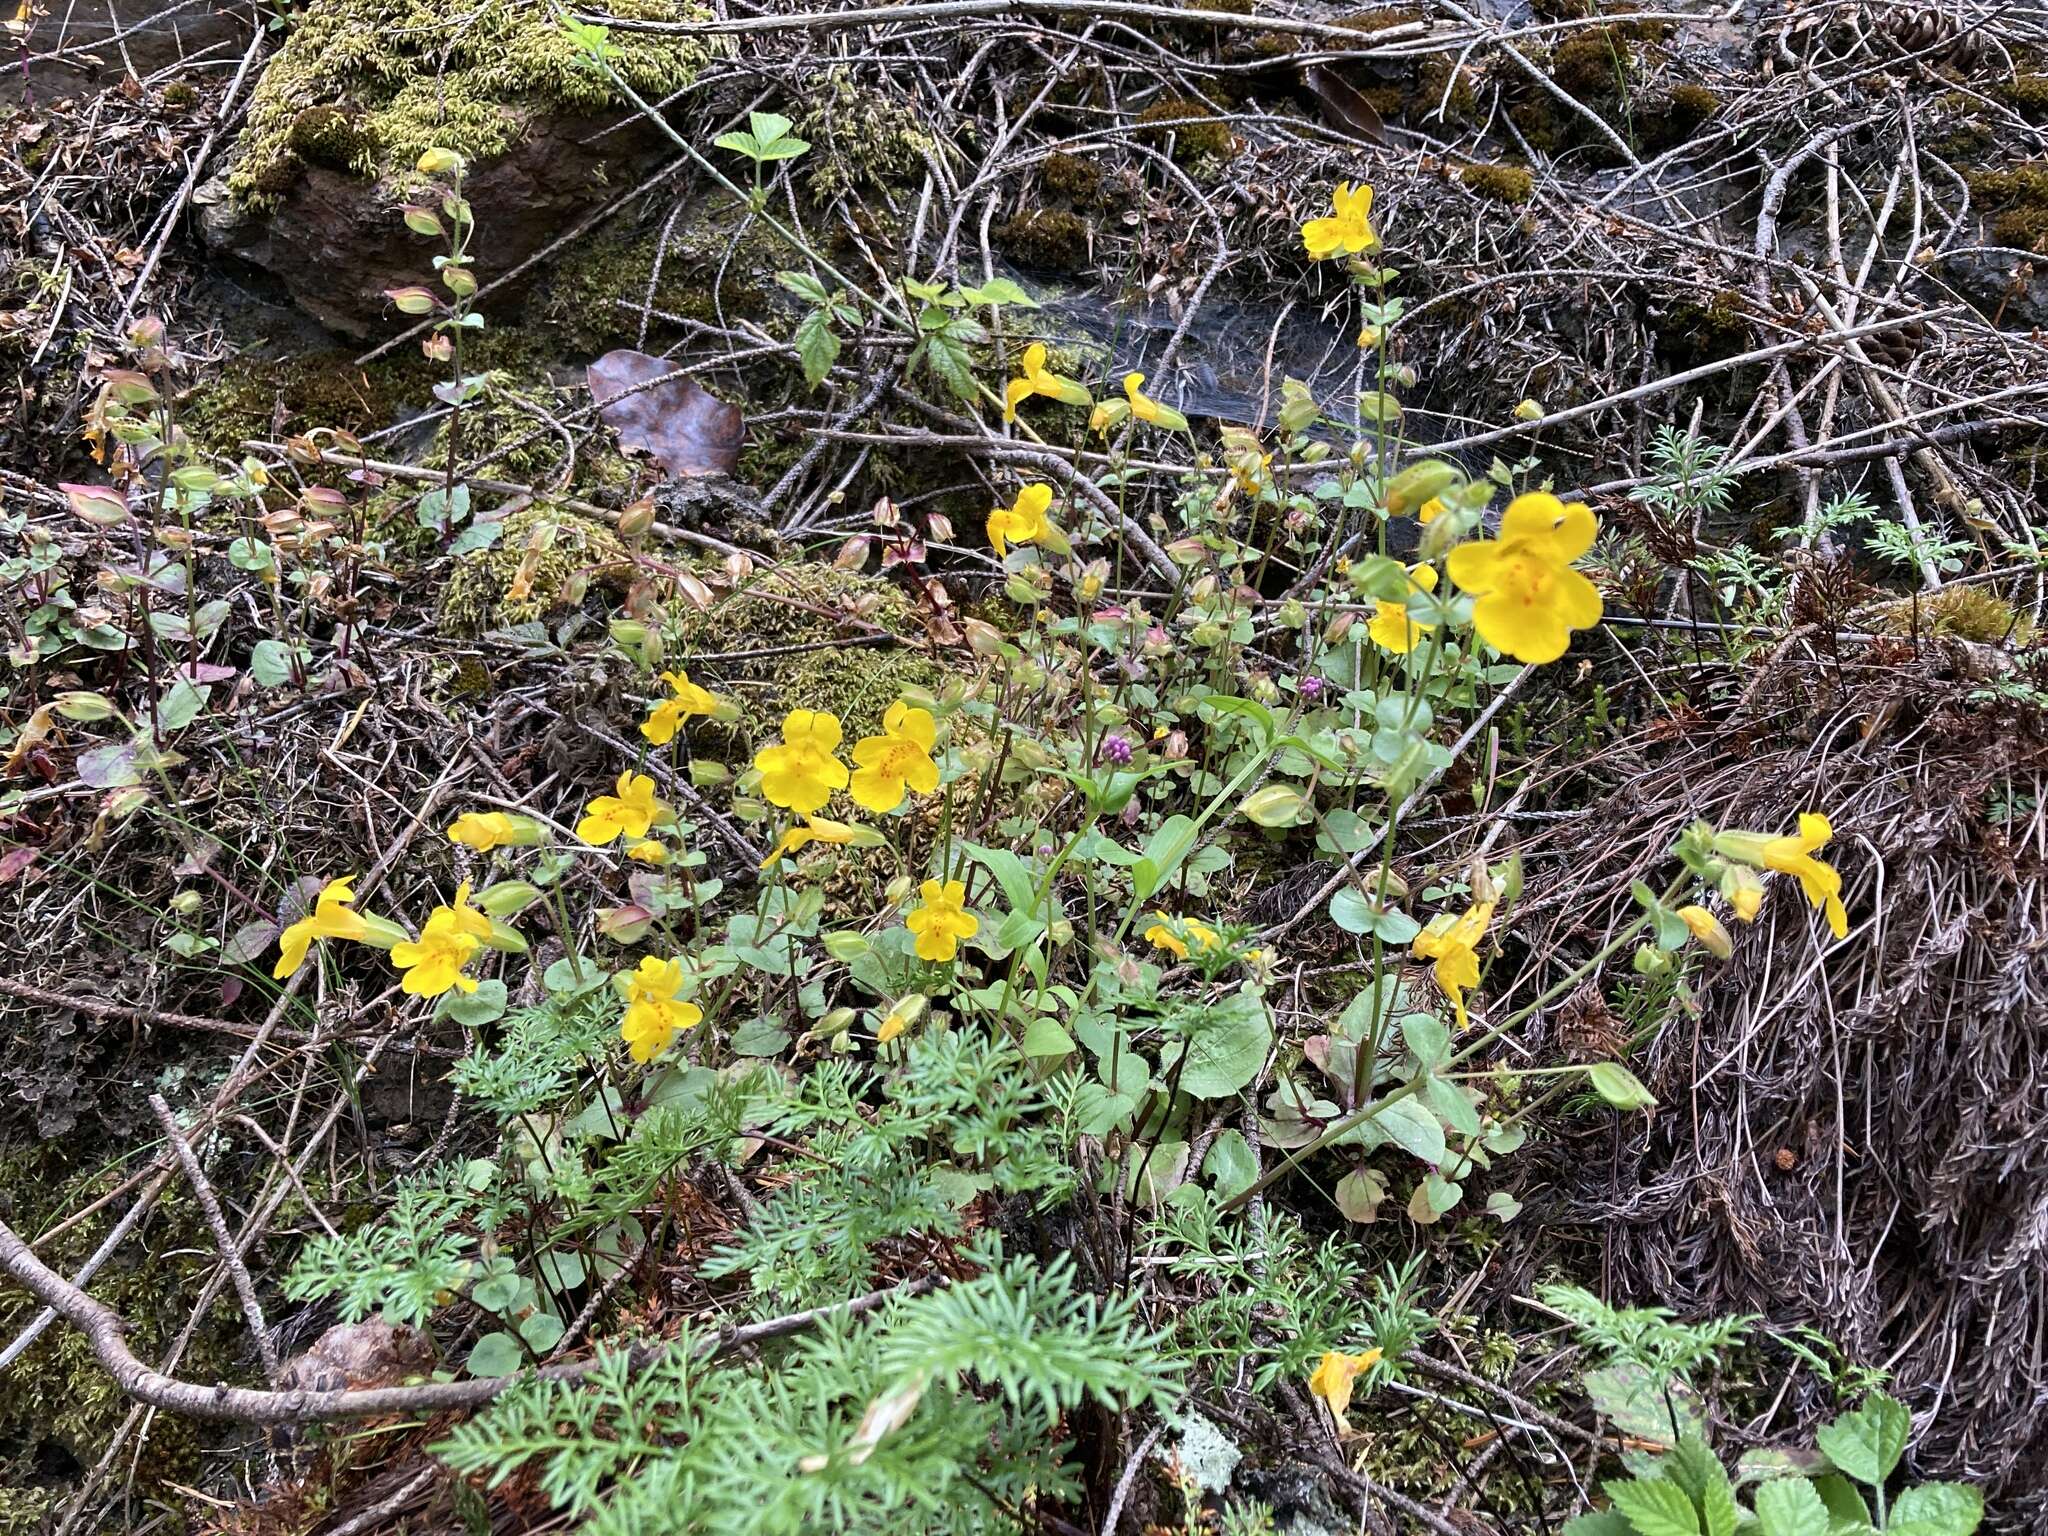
x: 1510, y: 184
x: 406, y: 75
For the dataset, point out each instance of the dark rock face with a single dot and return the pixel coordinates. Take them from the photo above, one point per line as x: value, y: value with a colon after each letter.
x: 336, y: 241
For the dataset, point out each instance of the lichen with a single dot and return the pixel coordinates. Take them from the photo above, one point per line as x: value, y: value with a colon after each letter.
x: 860, y: 136
x: 463, y: 74
x: 1164, y: 122
x: 1503, y: 183
x: 1049, y: 239
x: 485, y: 591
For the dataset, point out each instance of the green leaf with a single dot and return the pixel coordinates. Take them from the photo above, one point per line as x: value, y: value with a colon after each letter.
x: 1635, y: 1399
x: 1619, y: 1086
x: 1845, y: 1506
x: 476, y: 537
x: 950, y: 364
x: 542, y: 1331
x: 1231, y: 1165
x: 1696, y: 1469
x: 1012, y: 874
x: 1655, y: 1506
x: 999, y: 290
x: 181, y: 704
x: 1937, y: 1509
x: 1226, y: 1045
x: 1409, y: 1126
x: 270, y: 663
x: 475, y: 1009
x: 1790, y: 1507
x: 817, y: 345
x: 804, y: 286
x: 1360, y: 1193
x: 1164, y: 850
x: 764, y: 1036
x: 1868, y: 1443
x: 496, y: 1354
x: 1601, y: 1522
x: 1355, y: 913
x: 1044, y: 1036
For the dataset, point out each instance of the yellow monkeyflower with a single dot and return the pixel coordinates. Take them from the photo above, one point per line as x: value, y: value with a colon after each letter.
x: 685, y: 699
x: 816, y: 829
x: 1173, y: 935
x: 1332, y: 1380
x: 332, y: 917
x: 1706, y: 927
x: 629, y: 813
x: 1022, y: 521
x: 1391, y: 628
x: 1745, y: 892
x: 904, y: 1013
x: 1453, y: 943
x: 943, y: 920
x: 1529, y: 597
x: 800, y: 772
x: 1349, y: 231
x: 649, y: 850
x: 1145, y: 408
x: 898, y: 761
x: 654, y: 1014
x: 1788, y: 855
x: 485, y: 830
x: 1430, y: 510
x: 1037, y: 379
x: 433, y: 962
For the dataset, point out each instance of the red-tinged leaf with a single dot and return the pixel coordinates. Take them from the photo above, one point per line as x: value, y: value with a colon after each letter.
x: 230, y: 989
x: 204, y: 672
x: 412, y: 301
x: 100, y: 505
x: 129, y: 387
x: 677, y: 422
x: 853, y: 554
x: 908, y: 551
x: 15, y: 862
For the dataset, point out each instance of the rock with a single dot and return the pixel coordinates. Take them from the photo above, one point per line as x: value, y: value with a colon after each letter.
x: 336, y: 242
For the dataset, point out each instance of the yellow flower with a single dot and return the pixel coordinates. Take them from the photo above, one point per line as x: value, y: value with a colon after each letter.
x: 1109, y: 414
x: 1745, y: 892
x: 485, y: 830
x: 1430, y: 510
x: 331, y: 918
x: 1332, y: 1379
x: 649, y: 850
x: 1163, y: 935
x: 1530, y: 598
x: 1453, y: 943
x: 902, y: 1015
x: 654, y: 1014
x: 629, y: 813
x: 1708, y: 930
x: 1023, y: 521
x: 1391, y: 627
x: 1821, y: 882
x: 897, y: 761
x: 816, y: 829
x: 1145, y: 408
x: 1038, y: 380
x: 1349, y: 231
x: 800, y: 772
x: 685, y: 699
x: 433, y: 963
x: 943, y: 921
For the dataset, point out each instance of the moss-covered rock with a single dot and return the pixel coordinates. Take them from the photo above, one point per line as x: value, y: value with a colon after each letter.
x: 2019, y: 193
x: 1071, y: 176
x: 860, y: 136
x: 543, y: 562
x: 1166, y: 122
x: 333, y: 137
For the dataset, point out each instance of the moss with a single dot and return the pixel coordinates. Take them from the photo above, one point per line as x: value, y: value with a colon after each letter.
x: 2020, y: 193
x: 808, y: 604
x: 716, y: 269
x: 251, y: 396
x: 1439, y: 80
x: 1591, y: 66
x: 2027, y: 95
x: 1537, y: 118
x: 1071, y: 176
x: 1965, y: 612
x: 860, y: 137
x: 1503, y: 183
x: 456, y: 73
x: 335, y: 138
x: 181, y: 95
x: 1696, y: 331
x: 1672, y: 118
x: 1162, y: 122
x: 1381, y: 19
x: 480, y: 595
x: 1049, y: 239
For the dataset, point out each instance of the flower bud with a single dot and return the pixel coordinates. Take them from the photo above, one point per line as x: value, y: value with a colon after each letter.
x: 439, y: 162
x: 1707, y: 929
x: 1528, y: 410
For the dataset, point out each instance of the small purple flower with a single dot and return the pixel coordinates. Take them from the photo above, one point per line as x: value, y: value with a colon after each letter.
x: 1311, y: 688
x: 1115, y: 750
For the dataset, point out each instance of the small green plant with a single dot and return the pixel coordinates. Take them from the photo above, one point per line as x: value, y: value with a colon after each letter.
x: 764, y: 141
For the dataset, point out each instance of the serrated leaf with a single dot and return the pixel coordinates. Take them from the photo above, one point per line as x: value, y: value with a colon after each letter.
x: 817, y: 346
x: 1655, y: 1507
x: 1868, y: 1442
x: 1937, y: 1509
x: 1790, y: 1507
